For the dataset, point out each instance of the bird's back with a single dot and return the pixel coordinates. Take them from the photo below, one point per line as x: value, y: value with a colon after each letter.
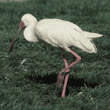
x: 63, y: 34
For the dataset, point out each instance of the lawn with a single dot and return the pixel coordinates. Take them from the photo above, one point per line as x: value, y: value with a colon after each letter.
x: 31, y: 85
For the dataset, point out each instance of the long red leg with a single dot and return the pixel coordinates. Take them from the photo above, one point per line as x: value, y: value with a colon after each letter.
x: 66, y: 64
x: 65, y: 84
x: 77, y: 61
x: 66, y: 77
x: 68, y: 67
x: 60, y: 77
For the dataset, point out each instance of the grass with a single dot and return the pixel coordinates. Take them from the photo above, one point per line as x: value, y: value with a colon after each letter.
x: 32, y: 85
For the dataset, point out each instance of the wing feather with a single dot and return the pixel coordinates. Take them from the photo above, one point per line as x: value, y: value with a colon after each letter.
x: 63, y: 33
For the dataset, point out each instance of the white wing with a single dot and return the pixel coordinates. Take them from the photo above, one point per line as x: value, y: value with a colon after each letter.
x: 64, y: 34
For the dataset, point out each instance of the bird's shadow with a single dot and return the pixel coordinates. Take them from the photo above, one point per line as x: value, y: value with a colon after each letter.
x: 72, y: 82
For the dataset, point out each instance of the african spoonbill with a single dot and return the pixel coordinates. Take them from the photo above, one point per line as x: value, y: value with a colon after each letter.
x: 58, y: 33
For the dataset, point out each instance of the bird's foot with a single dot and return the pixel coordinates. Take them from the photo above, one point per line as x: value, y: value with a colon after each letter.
x: 60, y: 79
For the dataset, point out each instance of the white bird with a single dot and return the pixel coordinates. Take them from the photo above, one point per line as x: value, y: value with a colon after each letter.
x: 58, y: 33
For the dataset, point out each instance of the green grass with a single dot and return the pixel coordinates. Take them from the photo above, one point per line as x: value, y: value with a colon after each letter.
x: 32, y: 85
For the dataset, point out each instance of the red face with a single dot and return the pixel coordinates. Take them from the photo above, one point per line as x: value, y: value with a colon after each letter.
x: 20, y: 29
x: 22, y: 25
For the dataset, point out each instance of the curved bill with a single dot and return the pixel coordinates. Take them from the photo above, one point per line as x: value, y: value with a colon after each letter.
x: 20, y: 28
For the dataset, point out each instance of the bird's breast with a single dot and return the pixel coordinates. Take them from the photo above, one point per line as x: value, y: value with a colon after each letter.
x: 29, y: 34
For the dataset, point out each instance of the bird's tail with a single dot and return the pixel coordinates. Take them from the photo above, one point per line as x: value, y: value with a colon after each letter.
x: 91, y: 35
x: 89, y: 46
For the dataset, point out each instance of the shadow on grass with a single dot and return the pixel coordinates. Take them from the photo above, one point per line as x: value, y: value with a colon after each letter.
x: 72, y: 83
x: 48, y: 79
x: 80, y: 83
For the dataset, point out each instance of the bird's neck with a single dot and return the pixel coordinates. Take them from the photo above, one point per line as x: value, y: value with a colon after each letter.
x: 29, y: 34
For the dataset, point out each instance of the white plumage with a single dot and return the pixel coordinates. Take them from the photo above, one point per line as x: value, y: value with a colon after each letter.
x: 58, y: 33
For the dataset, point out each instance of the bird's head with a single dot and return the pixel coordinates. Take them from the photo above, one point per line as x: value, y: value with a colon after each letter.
x: 26, y: 20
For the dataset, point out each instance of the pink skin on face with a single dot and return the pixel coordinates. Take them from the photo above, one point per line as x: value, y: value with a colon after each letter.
x: 22, y: 25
